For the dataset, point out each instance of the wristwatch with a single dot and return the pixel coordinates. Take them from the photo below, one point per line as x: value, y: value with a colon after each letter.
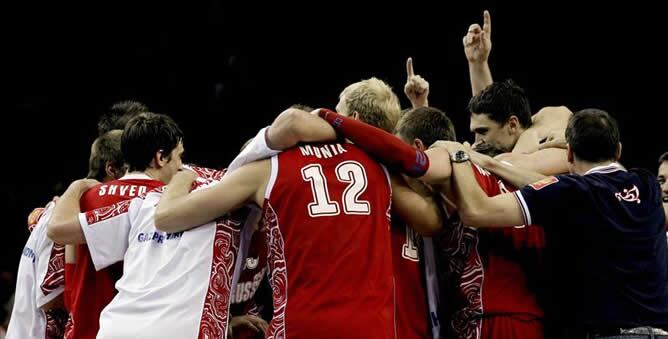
x: 459, y: 156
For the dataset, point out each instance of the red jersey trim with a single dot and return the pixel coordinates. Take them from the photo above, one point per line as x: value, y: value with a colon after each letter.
x: 279, y: 273
x: 213, y: 323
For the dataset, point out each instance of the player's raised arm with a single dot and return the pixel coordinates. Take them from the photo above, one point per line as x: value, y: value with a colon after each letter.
x: 416, y: 87
x: 477, y: 47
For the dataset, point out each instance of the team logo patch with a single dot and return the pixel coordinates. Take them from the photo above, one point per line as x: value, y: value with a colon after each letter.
x: 630, y: 194
x: 544, y: 183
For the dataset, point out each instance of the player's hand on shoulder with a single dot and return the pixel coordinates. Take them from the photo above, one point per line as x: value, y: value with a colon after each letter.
x: 451, y: 146
x: 185, y: 174
x: 249, y: 321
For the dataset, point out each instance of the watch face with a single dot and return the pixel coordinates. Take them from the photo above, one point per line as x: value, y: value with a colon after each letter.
x: 460, y: 156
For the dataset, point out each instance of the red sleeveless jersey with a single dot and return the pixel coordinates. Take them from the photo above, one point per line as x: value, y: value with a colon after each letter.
x: 498, y: 270
x: 411, y: 294
x: 327, y: 213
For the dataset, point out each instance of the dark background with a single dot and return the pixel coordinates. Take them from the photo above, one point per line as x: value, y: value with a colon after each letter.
x: 225, y: 70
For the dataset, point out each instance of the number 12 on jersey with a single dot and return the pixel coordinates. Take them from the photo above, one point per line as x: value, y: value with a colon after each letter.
x: 350, y: 172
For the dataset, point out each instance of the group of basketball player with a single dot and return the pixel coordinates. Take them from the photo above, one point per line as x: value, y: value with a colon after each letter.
x: 363, y: 222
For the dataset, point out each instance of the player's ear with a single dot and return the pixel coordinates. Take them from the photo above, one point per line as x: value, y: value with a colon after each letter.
x: 571, y: 157
x: 419, y: 144
x: 618, y: 152
x: 159, y: 159
x: 111, y: 171
x: 355, y: 115
x: 513, y: 125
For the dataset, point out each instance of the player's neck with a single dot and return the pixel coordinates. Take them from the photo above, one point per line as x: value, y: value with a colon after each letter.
x: 582, y: 167
x: 148, y: 172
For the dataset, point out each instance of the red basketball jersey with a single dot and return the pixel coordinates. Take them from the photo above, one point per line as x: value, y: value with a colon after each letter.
x: 411, y: 294
x: 497, y: 269
x: 327, y: 214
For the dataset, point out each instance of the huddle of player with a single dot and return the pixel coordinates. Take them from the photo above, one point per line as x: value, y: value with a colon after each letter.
x: 329, y: 224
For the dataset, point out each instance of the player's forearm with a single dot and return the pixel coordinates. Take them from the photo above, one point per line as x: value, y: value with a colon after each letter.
x: 550, y: 161
x: 294, y: 126
x: 417, y: 208
x: 380, y: 144
x: 515, y: 175
x: 476, y: 209
x: 439, y: 166
x: 470, y: 197
x: 64, y: 227
x: 70, y: 254
x: 179, y: 210
x: 420, y: 102
x: 480, y: 75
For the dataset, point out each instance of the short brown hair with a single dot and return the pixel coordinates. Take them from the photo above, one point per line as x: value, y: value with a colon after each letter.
x: 428, y: 124
x: 106, y: 149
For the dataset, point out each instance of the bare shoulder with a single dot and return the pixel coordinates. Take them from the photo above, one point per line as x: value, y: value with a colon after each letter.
x: 551, y: 114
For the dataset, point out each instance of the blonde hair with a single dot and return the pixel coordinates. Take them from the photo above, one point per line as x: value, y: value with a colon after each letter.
x: 375, y: 103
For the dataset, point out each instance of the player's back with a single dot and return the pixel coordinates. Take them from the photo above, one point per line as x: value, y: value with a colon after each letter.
x: 174, y: 285
x: 413, y: 318
x: 512, y: 261
x: 326, y: 209
x: 38, y: 282
x: 92, y: 290
x: 497, y: 271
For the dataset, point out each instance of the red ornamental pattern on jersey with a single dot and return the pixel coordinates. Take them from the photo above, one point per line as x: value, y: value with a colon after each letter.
x: 69, y: 328
x: 464, y: 261
x: 55, y: 272
x: 55, y: 323
x: 108, y: 212
x: 208, y: 174
x: 213, y: 323
x: 279, y: 274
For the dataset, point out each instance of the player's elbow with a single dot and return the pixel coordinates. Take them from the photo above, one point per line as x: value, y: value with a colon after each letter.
x: 57, y: 232
x: 431, y: 223
x: 472, y: 217
x: 429, y: 229
x: 162, y: 219
x: 166, y: 219
x: 286, y: 130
